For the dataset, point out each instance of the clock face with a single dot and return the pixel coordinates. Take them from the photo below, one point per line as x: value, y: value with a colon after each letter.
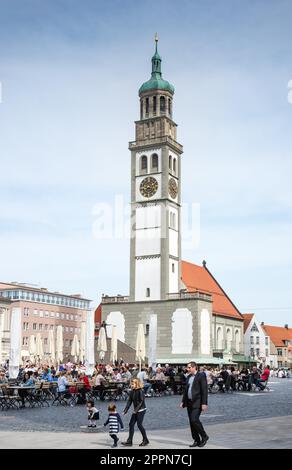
x: 148, y: 186
x: 172, y: 188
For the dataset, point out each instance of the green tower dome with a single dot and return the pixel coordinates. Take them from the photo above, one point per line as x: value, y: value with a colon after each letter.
x: 156, y: 81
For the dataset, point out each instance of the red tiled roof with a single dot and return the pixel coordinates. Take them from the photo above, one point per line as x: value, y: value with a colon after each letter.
x: 97, y: 317
x: 199, y: 278
x: 278, y: 334
x: 247, y: 319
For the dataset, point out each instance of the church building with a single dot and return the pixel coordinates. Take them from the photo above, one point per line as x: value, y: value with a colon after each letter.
x: 196, y: 320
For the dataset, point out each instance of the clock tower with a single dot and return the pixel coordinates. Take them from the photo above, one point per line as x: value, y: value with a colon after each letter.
x: 155, y: 253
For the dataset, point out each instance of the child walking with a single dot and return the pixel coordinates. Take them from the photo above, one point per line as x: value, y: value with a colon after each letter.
x: 115, y: 423
x: 93, y: 414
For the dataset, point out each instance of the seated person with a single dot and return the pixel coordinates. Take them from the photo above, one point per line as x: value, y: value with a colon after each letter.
x: 264, y: 378
x: 159, y: 383
x: 63, y: 384
x: 143, y: 377
x: 28, y: 381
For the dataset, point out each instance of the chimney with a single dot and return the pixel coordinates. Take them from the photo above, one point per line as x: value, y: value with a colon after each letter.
x: 286, y: 326
x: 204, y: 263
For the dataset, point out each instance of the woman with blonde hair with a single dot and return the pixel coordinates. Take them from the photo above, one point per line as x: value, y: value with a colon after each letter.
x: 136, y: 397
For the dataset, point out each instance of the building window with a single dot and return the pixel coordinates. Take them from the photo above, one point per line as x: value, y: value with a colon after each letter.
x: 66, y: 329
x: 62, y: 316
x: 174, y: 165
x: 71, y: 329
x: 267, y: 341
x: 279, y: 352
x: 76, y: 317
x: 254, y: 328
x: 154, y: 162
x: 154, y: 104
x: 41, y: 313
x: 72, y: 317
x: 251, y: 340
x: 143, y: 168
x: 26, y: 311
x: 147, y: 105
x: 45, y: 341
x: 162, y: 104
x: 267, y: 352
x: 46, y: 327
x: 51, y: 327
x: 67, y: 343
x: 34, y: 326
x: 257, y: 340
x: 35, y: 312
x: 172, y: 266
x: 40, y: 327
x: 258, y: 352
x: 169, y: 107
x: 148, y: 292
x: 67, y: 316
x: 170, y: 162
x: 252, y: 352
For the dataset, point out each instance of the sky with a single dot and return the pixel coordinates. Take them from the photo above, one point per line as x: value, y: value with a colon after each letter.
x: 70, y: 73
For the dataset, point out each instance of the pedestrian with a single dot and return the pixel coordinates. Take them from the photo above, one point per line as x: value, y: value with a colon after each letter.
x: 93, y: 414
x: 137, y: 398
x: 115, y: 423
x: 195, y: 399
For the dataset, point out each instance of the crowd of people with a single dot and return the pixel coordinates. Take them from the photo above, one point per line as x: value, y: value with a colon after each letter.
x: 69, y: 378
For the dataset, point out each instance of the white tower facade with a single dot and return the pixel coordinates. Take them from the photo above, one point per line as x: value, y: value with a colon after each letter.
x: 155, y: 253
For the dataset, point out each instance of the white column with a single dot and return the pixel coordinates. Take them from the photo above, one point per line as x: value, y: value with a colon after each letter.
x: 89, y: 351
x: 152, y: 346
x: 15, y: 336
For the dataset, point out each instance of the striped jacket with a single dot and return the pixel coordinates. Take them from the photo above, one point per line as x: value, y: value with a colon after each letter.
x: 115, y: 422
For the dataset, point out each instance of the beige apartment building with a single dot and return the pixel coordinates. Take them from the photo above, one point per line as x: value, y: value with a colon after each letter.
x: 42, y: 311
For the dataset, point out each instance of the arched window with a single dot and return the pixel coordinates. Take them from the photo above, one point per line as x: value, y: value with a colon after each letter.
x: 205, y: 332
x: 141, y: 109
x: 143, y: 165
x: 154, y: 104
x: 174, y: 165
x: 162, y: 104
x: 117, y: 319
x: 147, y: 105
x: 219, y: 338
x: 228, y: 339
x: 237, y: 341
x: 170, y: 162
x: 169, y: 107
x: 182, y: 331
x: 154, y: 162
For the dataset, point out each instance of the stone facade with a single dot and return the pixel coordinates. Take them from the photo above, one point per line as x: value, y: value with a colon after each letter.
x: 180, y: 337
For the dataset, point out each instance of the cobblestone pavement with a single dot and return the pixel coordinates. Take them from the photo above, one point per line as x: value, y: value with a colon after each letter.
x: 162, y: 412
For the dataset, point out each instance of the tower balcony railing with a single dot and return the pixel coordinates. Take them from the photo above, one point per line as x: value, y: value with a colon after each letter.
x: 190, y: 295
x: 106, y: 299
x: 157, y: 141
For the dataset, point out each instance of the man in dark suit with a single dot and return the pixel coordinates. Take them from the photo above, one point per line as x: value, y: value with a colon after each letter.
x: 195, y: 399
